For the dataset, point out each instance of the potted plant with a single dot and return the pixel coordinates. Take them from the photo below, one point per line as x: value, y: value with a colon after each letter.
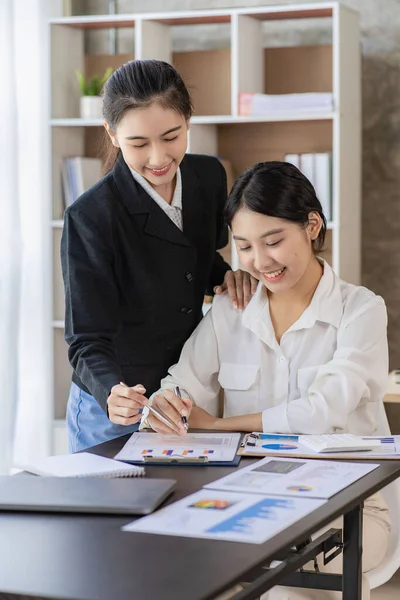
x: 91, y: 87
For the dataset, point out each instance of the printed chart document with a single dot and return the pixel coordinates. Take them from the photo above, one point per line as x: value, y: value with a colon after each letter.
x: 274, y: 444
x: 216, y: 447
x: 222, y: 515
x: 294, y: 477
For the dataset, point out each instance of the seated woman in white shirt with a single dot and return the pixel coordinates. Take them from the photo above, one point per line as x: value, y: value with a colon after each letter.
x: 307, y: 355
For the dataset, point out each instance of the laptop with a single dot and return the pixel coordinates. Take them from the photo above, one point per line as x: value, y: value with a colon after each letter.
x: 126, y: 496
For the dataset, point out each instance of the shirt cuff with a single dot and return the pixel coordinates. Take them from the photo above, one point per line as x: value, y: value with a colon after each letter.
x: 144, y: 424
x: 274, y: 420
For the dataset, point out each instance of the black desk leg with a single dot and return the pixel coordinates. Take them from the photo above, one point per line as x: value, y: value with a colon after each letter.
x: 352, y: 554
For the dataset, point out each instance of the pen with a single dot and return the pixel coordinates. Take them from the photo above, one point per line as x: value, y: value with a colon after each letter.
x: 155, y: 412
x: 184, y: 419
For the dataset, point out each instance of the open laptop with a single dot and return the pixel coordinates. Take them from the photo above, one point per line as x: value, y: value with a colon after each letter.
x: 128, y: 496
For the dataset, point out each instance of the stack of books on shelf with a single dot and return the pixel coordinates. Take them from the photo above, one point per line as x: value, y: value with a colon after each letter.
x: 317, y: 168
x: 79, y: 173
x: 265, y: 104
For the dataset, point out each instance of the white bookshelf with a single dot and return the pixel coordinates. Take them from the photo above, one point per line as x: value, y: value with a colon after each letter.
x: 246, y: 64
x: 215, y: 119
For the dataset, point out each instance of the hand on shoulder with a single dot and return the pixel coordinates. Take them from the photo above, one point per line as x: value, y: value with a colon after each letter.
x: 241, y: 287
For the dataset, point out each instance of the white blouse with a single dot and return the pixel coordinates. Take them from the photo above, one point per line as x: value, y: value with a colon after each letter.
x: 328, y: 374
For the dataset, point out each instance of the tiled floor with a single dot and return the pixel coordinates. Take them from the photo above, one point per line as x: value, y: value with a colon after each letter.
x: 390, y: 591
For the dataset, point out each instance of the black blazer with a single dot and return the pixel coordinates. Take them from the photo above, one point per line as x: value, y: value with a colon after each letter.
x: 135, y: 283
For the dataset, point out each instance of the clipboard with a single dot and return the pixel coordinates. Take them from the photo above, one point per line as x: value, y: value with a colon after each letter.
x: 197, y: 448
x: 174, y: 461
x: 248, y: 441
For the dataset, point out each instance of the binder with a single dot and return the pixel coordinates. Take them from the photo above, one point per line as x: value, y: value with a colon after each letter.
x: 323, y: 182
x: 293, y: 159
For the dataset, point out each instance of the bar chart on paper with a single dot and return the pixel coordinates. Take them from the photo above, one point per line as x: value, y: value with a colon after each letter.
x: 221, y: 515
x: 217, y: 514
x: 211, y: 447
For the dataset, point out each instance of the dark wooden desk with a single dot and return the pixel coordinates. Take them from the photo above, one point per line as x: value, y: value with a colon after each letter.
x: 90, y: 558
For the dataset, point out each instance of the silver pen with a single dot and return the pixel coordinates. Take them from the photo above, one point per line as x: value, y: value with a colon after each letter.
x: 155, y: 412
x: 184, y: 419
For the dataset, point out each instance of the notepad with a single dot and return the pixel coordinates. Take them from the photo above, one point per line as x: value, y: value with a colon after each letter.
x: 83, y: 464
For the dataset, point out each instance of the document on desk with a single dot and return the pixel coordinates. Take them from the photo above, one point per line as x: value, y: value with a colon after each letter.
x: 285, y: 445
x: 222, y: 515
x: 294, y: 477
x: 210, y: 447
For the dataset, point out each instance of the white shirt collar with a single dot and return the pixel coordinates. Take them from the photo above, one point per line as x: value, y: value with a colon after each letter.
x: 177, y: 198
x: 326, y: 305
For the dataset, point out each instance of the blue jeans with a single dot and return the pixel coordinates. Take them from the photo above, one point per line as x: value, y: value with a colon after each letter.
x: 87, y: 423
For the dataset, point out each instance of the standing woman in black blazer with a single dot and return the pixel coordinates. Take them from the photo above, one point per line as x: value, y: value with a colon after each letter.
x: 138, y: 252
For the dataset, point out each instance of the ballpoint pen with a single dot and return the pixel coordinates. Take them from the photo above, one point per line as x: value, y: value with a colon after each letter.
x: 184, y: 419
x: 155, y: 412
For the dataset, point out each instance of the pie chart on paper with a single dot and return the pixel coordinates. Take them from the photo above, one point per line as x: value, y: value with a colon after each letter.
x: 279, y: 446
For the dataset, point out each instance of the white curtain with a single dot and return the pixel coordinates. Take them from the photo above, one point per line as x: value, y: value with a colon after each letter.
x: 33, y: 435
x: 26, y: 386
x: 9, y: 239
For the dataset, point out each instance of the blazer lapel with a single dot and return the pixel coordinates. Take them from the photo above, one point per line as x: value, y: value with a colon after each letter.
x: 160, y: 225
x: 138, y: 201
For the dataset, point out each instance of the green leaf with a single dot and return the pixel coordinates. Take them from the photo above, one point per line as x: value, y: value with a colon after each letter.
x: 93, y: 85
x: 81, y: 81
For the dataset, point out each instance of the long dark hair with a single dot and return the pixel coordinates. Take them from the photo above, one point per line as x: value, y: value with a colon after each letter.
x: 277, y: 189
x: 138, y: 84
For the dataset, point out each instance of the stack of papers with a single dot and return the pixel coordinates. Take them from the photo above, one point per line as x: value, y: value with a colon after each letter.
x: 264, y: 104
x: 222, y: 515
x: 294, y: 477
x: 255, y: 503
x: 274, y: 444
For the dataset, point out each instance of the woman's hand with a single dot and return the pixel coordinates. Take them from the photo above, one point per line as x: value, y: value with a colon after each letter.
x: 174, y: 408
x: 124, y: 404
x: 241, y: 287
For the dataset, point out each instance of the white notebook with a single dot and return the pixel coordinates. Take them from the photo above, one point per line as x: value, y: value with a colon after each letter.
x: 82, y: 464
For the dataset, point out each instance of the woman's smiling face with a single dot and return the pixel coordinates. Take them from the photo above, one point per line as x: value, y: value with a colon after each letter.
x: 275, y: 251
x: 153, y: 142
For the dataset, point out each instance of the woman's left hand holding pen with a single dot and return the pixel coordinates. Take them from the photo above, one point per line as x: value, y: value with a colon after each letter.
x: 172, y: 407
x: 125, y: 403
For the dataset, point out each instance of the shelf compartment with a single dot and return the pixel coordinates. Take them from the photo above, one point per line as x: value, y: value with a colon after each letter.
x: 68, y: 142
x: 246, y: 144
x: 278, y: 70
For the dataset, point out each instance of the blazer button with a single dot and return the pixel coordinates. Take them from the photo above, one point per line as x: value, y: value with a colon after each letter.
x: 186, y: 310
x: 189, y: 276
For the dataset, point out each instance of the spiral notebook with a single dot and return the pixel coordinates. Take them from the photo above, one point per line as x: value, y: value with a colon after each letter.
x: 82, y: 464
